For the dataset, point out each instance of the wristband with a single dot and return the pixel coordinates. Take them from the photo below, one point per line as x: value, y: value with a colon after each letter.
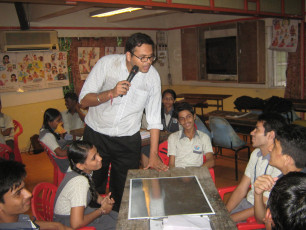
x: 98, y: 99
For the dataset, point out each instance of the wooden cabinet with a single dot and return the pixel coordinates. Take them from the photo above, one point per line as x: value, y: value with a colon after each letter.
x: 250, y: 42
x: 251, y: 52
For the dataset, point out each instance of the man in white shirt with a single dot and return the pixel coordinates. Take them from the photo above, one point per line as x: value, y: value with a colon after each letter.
x: 73, y: 117
x: 263, y: 136
x: 115, y: 110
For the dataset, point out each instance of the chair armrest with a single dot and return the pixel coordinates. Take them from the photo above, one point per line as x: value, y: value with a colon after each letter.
x: 223, y: 191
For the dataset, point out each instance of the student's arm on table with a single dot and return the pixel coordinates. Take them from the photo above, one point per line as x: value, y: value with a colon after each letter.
x: 263, y: 183
x: 172, y: 161
x: 239, y: 193
x: 60, y: 152
x: 243, y: 215
x: 44, y: 225
x: 154, y: 161
x: 91, y: 99
x: 210, y: 161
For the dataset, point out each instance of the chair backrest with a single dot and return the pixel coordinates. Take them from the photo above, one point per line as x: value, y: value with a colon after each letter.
x: 223, y: 134
x: 43, y: 201
x: 163, y: 151
x: 58, y: 175
x: 6, y: 152
x: 18, y: 130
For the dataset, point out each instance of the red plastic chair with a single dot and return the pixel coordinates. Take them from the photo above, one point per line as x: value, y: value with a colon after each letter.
x: 6, y: 152
x: 43, y: 202
x: 58, y: 175
x: 162, y: 153
x: 18, y: 130
x: 251, y: 221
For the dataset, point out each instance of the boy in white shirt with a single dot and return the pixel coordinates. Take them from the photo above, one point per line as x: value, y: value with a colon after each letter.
x: 187, y: 147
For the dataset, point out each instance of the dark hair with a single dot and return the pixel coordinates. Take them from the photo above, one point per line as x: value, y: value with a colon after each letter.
x: 77, y: 153
x: 180, y: 106
x: 72, y: 96
x: 292, y: 139
x: 12, y: 173
x: 173, y: 94
x: 272, y: 121
x: 49, y: 116
x: 137, y: 39
x: 287, y: 202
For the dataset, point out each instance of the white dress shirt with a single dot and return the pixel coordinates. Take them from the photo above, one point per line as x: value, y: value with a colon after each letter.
x: 122, y: 117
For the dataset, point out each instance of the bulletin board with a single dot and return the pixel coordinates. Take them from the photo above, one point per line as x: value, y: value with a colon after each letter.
x: 85, y: 52
x: 32, y: 70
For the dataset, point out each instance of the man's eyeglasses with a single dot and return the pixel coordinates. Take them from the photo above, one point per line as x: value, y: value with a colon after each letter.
x: 145, y: 59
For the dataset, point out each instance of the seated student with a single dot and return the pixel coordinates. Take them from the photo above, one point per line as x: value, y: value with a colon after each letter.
x: 187, y: 147
x: 287, y: 203
x: 6, y: 129
x: 73, y: 117
x: 288, y: 154
x: 170, y: 123
x: 15, y: 199
x: 76, y: 199
x: 52, y: 135
x: 263, y: 135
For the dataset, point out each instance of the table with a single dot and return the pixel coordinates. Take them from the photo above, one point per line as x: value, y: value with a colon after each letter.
x: 221, y: 220
x: 241, y: 122
x: 204, y: 97
x: 299, y: 105
x: 163, y: 135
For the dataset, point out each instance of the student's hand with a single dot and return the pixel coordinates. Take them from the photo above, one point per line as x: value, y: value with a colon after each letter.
x: 156, y: 163
x: 121, y: 88
x: 107, y: 204
x: 264, y: 183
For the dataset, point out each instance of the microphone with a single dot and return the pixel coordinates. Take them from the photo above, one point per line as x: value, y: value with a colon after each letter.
x: 133, y: 72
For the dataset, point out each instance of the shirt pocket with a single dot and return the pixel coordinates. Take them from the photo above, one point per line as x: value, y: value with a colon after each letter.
x: 197, y: 149
x: 139, y: 99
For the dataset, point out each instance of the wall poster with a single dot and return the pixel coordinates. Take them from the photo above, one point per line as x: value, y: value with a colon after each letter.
x: 32, y: 70
x: 285, y: 35
x: 87, y: 58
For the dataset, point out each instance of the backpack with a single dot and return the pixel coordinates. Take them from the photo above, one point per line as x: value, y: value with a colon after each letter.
x: 35, y: 144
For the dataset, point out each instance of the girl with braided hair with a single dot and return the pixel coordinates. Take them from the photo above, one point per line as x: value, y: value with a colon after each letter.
x: 77, y: 203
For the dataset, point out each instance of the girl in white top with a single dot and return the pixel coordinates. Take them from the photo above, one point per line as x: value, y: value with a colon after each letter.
x: 53, y: 140
x: 77, y: 203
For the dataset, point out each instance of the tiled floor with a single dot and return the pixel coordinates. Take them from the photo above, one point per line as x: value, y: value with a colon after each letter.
x: 39, y: 168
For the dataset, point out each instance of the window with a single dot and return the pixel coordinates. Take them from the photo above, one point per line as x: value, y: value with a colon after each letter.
x: 279, y: 68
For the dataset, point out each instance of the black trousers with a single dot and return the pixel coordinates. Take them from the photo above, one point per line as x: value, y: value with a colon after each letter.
x: 122, y: 152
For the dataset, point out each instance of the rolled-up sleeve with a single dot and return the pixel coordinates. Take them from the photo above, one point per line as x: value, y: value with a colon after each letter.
x: 153, y: 107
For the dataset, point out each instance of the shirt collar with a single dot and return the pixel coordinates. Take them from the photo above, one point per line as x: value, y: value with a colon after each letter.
x: 183, y: 134
x: 267, y: 157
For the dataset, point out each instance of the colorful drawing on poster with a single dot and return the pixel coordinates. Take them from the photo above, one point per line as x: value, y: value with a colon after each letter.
x: 285, y: 35
x: 31, y: 70
x: 87, y: 58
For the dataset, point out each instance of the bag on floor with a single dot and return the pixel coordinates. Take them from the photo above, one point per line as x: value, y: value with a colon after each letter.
x: 35, y: 145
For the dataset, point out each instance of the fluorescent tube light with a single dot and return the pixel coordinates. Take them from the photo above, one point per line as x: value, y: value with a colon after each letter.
x: 112, y: 13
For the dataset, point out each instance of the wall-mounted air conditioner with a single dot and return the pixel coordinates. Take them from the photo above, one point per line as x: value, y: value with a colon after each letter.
x: 28, y: 40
